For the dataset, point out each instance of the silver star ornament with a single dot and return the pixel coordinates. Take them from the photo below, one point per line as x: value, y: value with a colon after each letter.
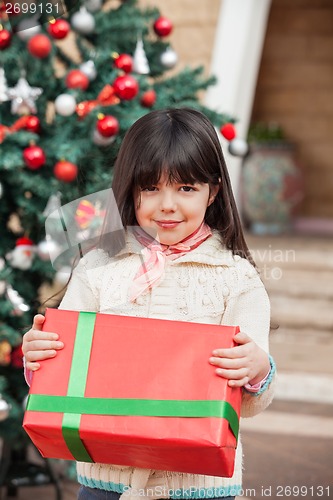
x: 23, y: 97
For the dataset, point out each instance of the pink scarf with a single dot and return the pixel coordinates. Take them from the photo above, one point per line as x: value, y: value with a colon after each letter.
x: 155, y: 256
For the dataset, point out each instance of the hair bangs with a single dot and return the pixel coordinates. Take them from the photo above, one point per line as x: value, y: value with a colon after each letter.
x: 179, y: 160
x: 188, y: 159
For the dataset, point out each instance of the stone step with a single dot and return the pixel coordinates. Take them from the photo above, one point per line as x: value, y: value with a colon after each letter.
x: 283, y: 423
x: 290, y: 240
x: 292, y: 252
x: 299, y: 283
x: 293, y: 258
x: 303, y: 349
x: 302, y: 313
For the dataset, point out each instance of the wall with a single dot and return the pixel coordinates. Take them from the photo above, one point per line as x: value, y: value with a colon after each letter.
x: 295, y: 88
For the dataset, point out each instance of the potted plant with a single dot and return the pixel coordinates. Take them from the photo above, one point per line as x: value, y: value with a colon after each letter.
x: 272, y: 185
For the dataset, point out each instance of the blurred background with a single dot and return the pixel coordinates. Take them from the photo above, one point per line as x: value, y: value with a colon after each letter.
x: 73, y: 77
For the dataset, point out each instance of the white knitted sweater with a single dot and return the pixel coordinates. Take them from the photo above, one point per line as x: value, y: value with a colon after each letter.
x: 206, y: 285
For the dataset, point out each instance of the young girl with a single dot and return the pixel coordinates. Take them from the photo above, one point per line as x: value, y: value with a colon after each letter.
x: 184, y: 259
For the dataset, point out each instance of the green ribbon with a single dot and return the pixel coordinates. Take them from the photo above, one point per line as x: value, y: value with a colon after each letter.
x: 77, y: 385
x: 75, y: 404
x: 136, y: 407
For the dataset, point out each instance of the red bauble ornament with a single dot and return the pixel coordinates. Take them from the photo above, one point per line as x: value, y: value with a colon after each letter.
x: 163, y: 26
x: 124, y: 62
x: 228, y: 131
x: 108, y: 126
x: 65, y: 171
x: 5, y: 39
x: 59, y: 28
x: 39, y: 46
x: 76, y: 79
x: 126, y: 87
x: 17, y: 357
x: 33, y: 124
x: 34, y: 157
x: 148, y: 99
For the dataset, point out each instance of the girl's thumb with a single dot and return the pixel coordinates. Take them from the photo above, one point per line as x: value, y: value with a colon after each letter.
x: 242, y: 338
x: 38, y: 322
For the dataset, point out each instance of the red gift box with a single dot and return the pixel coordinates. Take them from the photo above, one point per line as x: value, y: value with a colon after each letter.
x: 135, y: 391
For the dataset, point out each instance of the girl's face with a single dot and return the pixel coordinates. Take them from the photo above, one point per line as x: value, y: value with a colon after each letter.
x: 171, y: 212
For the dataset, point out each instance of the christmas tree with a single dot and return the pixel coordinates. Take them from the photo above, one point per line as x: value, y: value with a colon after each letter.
x: 62, y: 119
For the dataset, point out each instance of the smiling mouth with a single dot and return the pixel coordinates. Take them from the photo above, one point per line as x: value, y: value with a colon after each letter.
x: 167, y: 223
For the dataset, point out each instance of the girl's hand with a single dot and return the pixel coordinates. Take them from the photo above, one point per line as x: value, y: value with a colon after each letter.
x: 242, y: 364
x: 38, y: 345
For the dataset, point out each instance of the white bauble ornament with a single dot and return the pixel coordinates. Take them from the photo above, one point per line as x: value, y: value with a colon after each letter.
x: 28, y: 28
x: 65, y: 104
x: 47, y: 248
x: 83, y: 22
x: 4, y: 409
x: 1, y: 190
x: 99, y: 140
x: 93, y: 5
x: 89, y: 69
x: 238, y: 147
x: 140, y: 61
x: 169, y: 58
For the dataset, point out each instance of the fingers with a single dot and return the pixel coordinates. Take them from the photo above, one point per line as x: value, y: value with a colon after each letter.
x: 38, y: 322
x: 230, y: 353
x: 240, y: 338
x: 236, y: 378
x: 241, y: 364
x: 40, y: 355
x: 237, y: 375
x: 35, y: 335
x: 45, y: 345
x: 38, y: 351
x: 32, y: 366
x: 38, y: 345
x: 231, y: 369
x: 38, y: 340
x: 238, y: 383
x: 227, y: 362
x: 233, y: 363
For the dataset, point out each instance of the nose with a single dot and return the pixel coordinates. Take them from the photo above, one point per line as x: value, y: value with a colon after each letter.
x: 168, y: 201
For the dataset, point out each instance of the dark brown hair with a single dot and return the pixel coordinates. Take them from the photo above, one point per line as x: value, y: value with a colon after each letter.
x: 184, y: 144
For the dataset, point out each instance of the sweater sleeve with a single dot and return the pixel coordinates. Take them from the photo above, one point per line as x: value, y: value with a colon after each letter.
x: 249, y: 308
x: 80, y: 294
